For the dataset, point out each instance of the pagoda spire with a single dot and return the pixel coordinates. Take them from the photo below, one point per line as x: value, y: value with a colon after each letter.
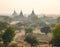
x: 32, y: 12
x: 21, y: 13
x: 14, y: 13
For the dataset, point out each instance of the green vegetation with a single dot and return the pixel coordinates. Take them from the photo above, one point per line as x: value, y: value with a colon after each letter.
x: 55, y: 35
x: 28, y: 30
x: 3, y: 25
x: 31, y: 39
x: 8, y: 36
x: 45, y: 29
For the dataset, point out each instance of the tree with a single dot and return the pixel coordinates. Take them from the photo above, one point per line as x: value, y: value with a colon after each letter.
x: 28, y: 30
x: 45, y: 29
x: 31, y: 39
x: 3, y: 25
x: 55, y: 35
x: 8, y: 36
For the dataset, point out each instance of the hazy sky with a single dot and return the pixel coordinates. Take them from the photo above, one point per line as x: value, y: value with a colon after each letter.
x: 39, y: 6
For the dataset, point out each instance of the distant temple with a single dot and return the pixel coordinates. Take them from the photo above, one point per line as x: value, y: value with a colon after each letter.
x: 16, y: 17
x: 32, y: 18
x: 14, y: 13
x: 32, y: 13
x: 21, y: 13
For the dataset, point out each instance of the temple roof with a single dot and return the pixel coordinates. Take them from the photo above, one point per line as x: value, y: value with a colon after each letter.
x: 32, y: 12
x: 21, y: 13
x: 14, y: 13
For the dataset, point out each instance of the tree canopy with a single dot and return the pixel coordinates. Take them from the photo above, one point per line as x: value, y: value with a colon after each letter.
x: 45, y: 29
x: 28, y: 29
x: 31, y: 39
x: 55, y: 35
x: 3, y: 25
x: 8, y: 35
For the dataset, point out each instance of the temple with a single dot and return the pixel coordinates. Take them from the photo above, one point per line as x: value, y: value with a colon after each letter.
x: 32, y: 13
x: 14, y: 13
x: 21, y: 13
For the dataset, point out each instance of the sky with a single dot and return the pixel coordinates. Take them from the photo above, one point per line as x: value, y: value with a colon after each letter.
x: 39, y: 6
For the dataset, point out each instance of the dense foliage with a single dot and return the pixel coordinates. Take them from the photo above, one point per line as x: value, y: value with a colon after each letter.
x: 8, y: 35
x: 28, y: 29
x: 31, y: 39
x: 56, y: 35
x: 45, y: 29
x: 3, y: 25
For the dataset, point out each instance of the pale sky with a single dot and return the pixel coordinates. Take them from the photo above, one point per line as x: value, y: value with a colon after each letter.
x: 39, y: 6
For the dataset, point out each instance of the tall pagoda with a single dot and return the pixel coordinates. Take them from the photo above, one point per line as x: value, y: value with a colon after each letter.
x: 32, y: 13
x: 21, y: 13
x: 14, y: 13
x: 33, y: 17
